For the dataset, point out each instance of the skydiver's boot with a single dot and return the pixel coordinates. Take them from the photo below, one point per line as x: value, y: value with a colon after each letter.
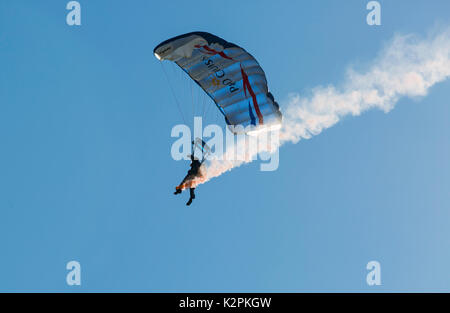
x: 178, y: 191
x: 189, y: 202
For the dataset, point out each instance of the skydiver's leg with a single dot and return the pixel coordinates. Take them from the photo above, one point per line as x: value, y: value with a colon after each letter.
x: 192, y: 196
x: 180, y: 187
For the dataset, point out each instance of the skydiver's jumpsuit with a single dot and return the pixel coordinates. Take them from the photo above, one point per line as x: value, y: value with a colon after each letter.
x: 192, y: 174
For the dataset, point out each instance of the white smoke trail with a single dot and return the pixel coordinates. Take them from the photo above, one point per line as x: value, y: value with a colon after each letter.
x: 230, y: 160
x: 407, y: 67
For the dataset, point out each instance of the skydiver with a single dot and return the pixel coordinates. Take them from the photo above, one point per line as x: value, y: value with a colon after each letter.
x: 193, y: 173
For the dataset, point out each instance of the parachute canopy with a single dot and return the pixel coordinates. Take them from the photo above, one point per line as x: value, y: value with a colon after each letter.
x: 229, y: 75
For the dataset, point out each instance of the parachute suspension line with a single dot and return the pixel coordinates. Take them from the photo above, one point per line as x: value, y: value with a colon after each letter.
x: 173, y: 93
x: 192, y: 98
x: 197, y: 99
x: 200, y: 97
x: 205, y: 109
x: 219, y: 116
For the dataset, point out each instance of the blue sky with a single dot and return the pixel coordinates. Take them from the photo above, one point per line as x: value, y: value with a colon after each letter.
x: 86, y: 172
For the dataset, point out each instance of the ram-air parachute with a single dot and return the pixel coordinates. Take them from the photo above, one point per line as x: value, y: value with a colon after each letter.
x: 229, y: 75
